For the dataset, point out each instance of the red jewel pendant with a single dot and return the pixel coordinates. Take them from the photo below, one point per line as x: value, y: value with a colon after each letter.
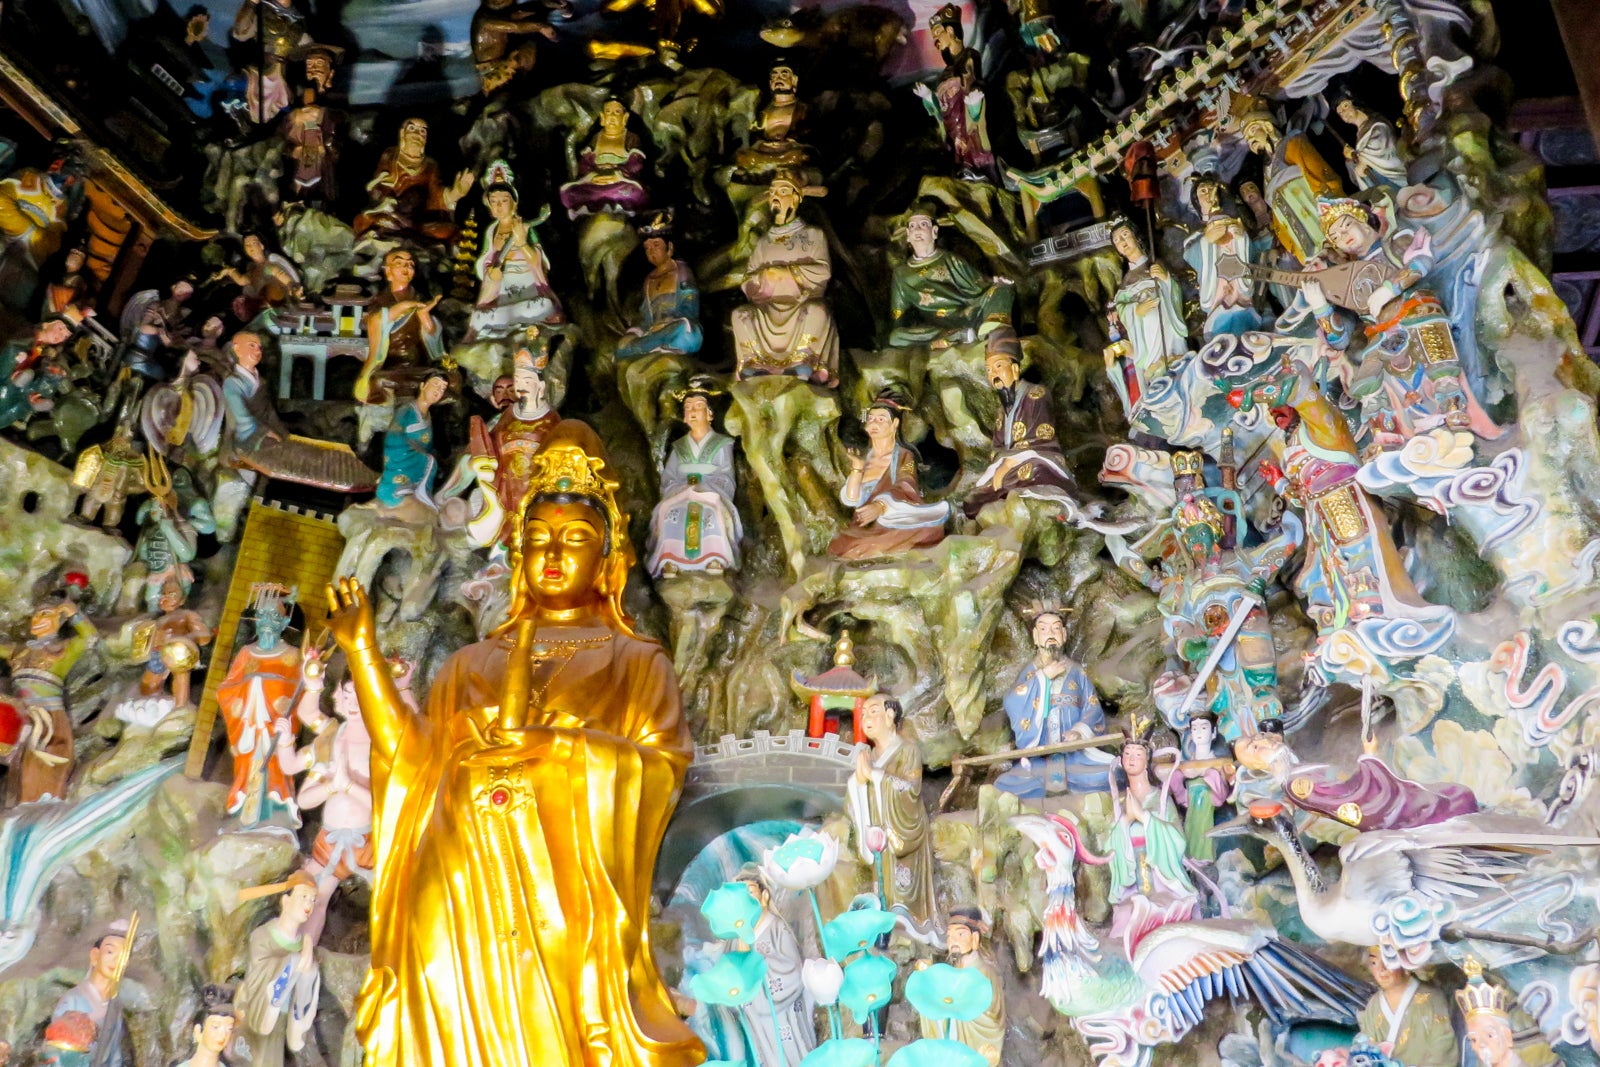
x: 499, y: 797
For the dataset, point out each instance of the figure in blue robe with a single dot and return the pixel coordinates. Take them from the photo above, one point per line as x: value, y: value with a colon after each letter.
x: 408, y: 463
x: 1051, y: 702
x: 669, y: 316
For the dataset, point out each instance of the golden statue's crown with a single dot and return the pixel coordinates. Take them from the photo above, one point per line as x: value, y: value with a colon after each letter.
x: 1483, y: 998
x: 567, y: 468
x: 1188, y: 464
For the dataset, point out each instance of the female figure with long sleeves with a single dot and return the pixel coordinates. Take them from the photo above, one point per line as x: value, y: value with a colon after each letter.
x: 517, y: 818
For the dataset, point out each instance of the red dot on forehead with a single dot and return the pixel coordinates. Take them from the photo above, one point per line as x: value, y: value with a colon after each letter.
x: 561, y: 511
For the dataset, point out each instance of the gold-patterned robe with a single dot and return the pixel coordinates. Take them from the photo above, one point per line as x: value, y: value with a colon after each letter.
x: 517, y: 864
x: 892, y: 801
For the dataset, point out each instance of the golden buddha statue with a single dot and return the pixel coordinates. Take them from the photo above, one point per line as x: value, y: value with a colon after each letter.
x: 518, y: 817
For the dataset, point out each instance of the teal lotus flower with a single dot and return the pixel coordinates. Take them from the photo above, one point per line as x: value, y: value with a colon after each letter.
x: 937, y: 1052
x: 732, y: 981
x: 732, y: 911
x: 944, y: 992
x: 867, y: 985
x: 802, y: 862
x: 843, y: 1052
x: 853, y: 931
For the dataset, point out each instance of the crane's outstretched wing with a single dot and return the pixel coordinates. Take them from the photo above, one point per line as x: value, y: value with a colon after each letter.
x: 1417, y: 881
x: 1454, y: 860
x: 1194, y: 963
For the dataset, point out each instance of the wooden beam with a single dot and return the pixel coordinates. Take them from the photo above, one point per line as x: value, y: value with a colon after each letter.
x: 1580, y: 30
x: 28, y: 99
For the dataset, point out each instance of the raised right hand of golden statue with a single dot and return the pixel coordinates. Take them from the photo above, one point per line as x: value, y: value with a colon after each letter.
x: 350, y: 618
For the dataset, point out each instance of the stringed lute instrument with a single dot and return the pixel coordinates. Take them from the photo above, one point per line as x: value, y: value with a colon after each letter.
x: 1347, y: 285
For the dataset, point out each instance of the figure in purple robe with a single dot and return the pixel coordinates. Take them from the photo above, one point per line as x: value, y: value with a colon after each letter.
x: 1372, y: 798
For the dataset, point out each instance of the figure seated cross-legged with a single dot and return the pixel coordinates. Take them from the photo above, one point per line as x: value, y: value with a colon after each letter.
x: 786, y: 328
x: 890, y: 516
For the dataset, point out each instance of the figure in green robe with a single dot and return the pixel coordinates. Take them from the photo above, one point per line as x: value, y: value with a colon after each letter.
x: 1148, y: 850
x: 1409, y: 1020
x: 940, y: 299
x: 892, y: 829
x: 277, y: 1000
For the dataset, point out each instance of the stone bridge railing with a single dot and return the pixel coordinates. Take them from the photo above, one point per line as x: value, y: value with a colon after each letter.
x: 772, y: 759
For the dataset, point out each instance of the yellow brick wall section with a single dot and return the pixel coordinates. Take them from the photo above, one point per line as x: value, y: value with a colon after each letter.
x: 277, y: 546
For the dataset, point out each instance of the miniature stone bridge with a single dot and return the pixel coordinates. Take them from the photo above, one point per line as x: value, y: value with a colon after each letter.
x: 742, y: 780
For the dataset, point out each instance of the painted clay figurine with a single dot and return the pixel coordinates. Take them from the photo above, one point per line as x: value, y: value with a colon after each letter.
x: 696, y: 525
x: 494, y: 25
x: 213, y: 1027
x: 893, y: 832
x: 277, y: 998
x: 409, y: 199
x: 781, y: 1029
x: 1027, y: 453
x: 1296, y: 175
x: 669, y: 313
x: 1147, y: 846
x: 939, y: 299
x: 258, y: 691
x: 409, y: 466
x: 512, y: 438
x: 337, y: 764
x: 773, y: 145
x: 1407, y: 374
x: 1201, y: 783
x: 608, y: 170
x: 94, y: 996
x: 1373, y: 797
x: 1228, y: 302
x: 957, y: 103
x: 966, y: 945
x: 1149, y: 311
x: 1374, y: 159
x: 403, y: 339
x: 39, y: 669
x: 513, y: 271
x: 311, y: 133
x: 1408, y: 1019
x: 786, y: 328
x: 1053, y: 701
x: 889, y: 515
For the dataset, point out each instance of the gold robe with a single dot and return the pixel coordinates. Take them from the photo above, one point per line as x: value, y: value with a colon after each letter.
x: 518, y: 864
x: 892, y: 802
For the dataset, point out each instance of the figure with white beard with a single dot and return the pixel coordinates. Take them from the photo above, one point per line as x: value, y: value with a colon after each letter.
x: 1051, y: 702
x: 500, y: 454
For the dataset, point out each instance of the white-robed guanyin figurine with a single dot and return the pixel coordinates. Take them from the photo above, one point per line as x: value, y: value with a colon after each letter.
x: 513, y: 271
x: 696, y: 526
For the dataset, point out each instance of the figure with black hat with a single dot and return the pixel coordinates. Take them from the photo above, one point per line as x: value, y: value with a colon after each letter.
x: 669, y: 314
x: 966, y: 938
x: 958, y: 103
